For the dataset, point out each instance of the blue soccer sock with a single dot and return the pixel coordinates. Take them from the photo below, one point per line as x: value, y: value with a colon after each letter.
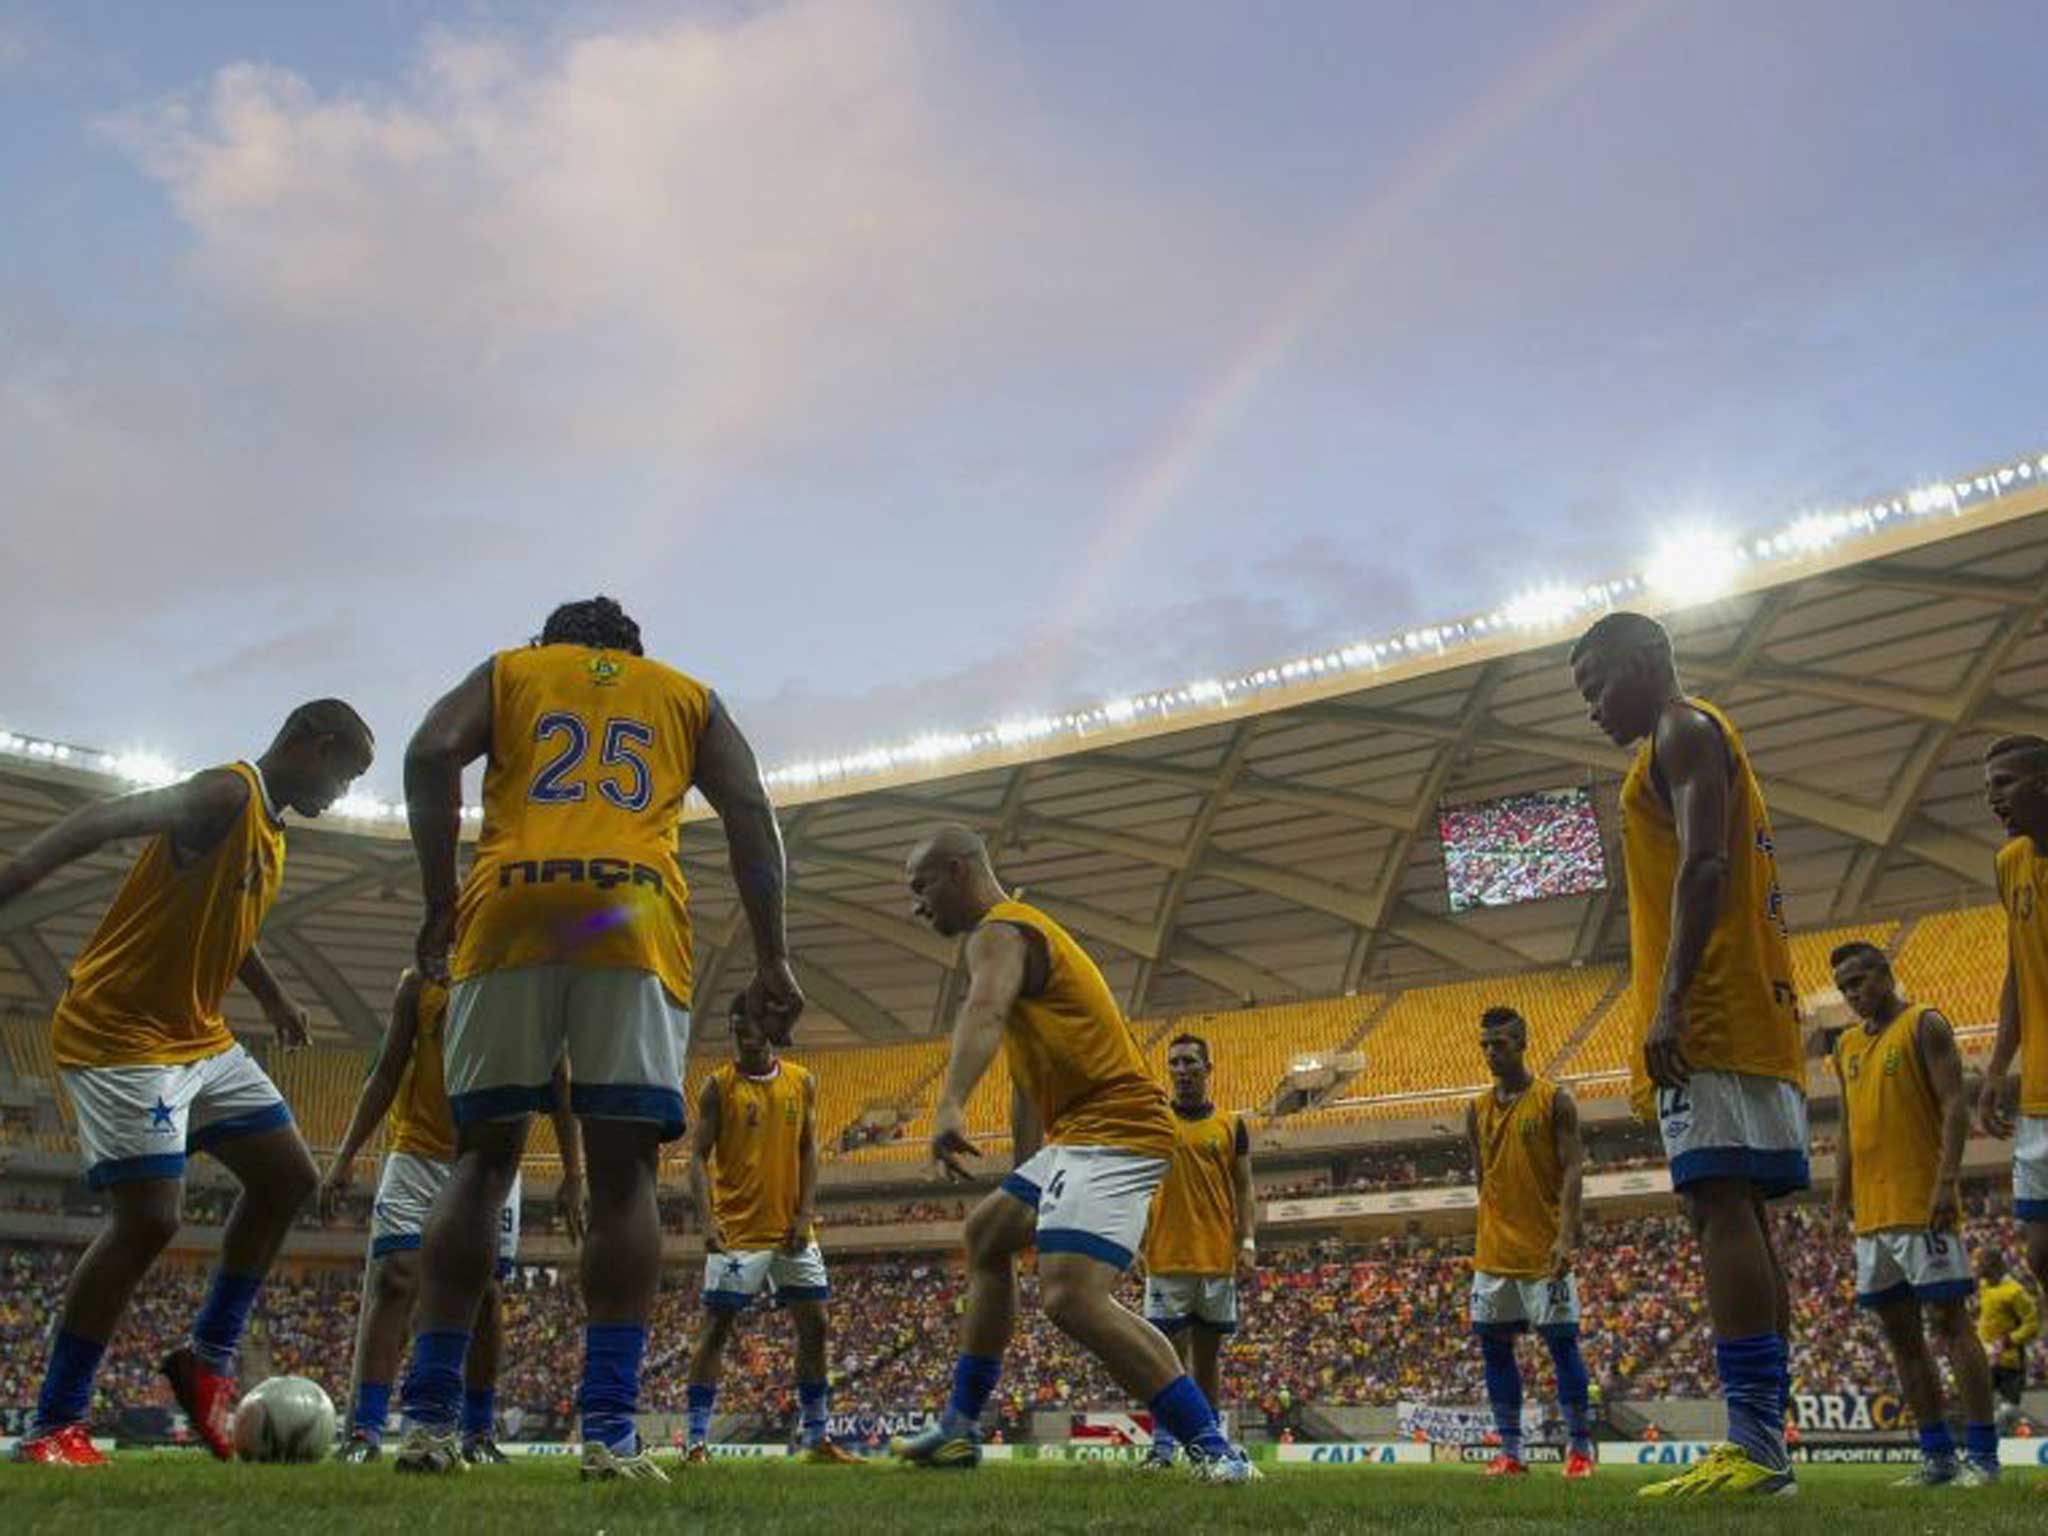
x: 479, y: 1410
x: 1163, y: 1443
x: 702, y: 1400
x: 373, y: 1407
x: 1752, y: 1373
x: 1574, y: 1387
x: 1503, y: 1389
x: 66, y: 1395
x: 810, y: 1398
x: 432, y: 1394
x: 1189, y: 1419
x: 217, y: 1331
x: 974, y: 1378
x: 611, y: 1384
x: 1980, y: 1444
x: 1936, y: 1443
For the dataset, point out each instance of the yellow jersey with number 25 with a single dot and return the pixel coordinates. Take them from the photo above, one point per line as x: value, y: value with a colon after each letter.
x: 591, y: 754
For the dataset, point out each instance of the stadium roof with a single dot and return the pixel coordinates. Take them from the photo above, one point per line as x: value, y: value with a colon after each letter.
x: 1275, y: 837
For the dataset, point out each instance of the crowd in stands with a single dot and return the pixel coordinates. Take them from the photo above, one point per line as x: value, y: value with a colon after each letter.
x: 1521, y: 848
x: 1333, y: 1323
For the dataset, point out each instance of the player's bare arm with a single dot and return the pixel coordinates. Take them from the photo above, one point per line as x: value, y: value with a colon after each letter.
x: 1244, y: 1202
x: 294, y: 1025
x: 1694, y: 761
x: 996, y: 958
x: 730, y: 779
x: 1571, y: 1161
x: 1943, y: 1065
x: 1841, y: 1204
x: 456, y: 732
x: 569, y: 1201
x: 703, y: 1142
x: 1472, y: 1150
x: 1992, y: 1113
x: 373, y: 1100
x: 797, y: 1236
x: 194, y: 815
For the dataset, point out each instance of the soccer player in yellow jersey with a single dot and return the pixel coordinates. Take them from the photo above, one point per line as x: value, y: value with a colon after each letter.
x: 754, y: 1180
x: 571, y: 939
x: 2008, y: 1320
x: 2016, y: 788
x: 1201, y: 1235
x: 1526, y: 1152
x: 1083, y: 1197
x: 1711, y: 983
x: 152, y: 1071
x: 406, y: 1083
x: 1905, y: 1119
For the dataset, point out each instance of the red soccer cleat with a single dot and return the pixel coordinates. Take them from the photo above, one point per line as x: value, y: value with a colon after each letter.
x: 70, y: 1446
x: 1577, y: 1467
x: 207, y: 1397
x: 1505, y: 1465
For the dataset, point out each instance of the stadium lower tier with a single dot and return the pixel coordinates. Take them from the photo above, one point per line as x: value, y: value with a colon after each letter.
x: 1337, y: 1324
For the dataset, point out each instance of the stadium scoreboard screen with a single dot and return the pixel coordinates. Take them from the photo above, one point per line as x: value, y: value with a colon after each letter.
x: 1521, y: 848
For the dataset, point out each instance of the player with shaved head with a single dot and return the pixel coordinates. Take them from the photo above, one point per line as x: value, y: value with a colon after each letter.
x: 2016, y: 789
x: 1711, y: 987
x: 1083, y: 1197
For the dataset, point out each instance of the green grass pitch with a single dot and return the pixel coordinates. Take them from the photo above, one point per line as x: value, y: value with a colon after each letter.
x: 148, y: 1495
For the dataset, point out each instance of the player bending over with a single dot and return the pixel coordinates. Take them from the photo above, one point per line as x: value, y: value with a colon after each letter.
x: 1711, y: 982
x: 1200, y: 1236
x: 1034, y: 994
x: 407, y: 1083
x: 754, y: 1179
x: 154, y: 1074
x: 573, y: 941
x: 1905, y: 1120
x: 1524, y: 1135
x: 2008, y: 1320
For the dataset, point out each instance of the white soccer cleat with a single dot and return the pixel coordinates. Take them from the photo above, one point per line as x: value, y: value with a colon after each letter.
x: 428, y: 1451
x: 603, y: 1465
x: 1231, y: 1470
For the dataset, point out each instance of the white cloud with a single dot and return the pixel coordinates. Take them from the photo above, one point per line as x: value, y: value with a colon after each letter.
x: 702, y: 237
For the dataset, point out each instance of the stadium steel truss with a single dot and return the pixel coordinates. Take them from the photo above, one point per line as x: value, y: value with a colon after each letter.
x: 1283, y: 845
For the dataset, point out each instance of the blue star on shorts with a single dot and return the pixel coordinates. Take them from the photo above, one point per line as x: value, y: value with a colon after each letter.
x: 160, y: 1115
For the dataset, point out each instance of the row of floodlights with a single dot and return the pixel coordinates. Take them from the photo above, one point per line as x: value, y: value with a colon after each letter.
x: 1693, y: 564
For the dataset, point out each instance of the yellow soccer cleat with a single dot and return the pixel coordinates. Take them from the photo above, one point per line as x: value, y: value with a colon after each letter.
x: 826, y: 1454
x: 1726, y: 1469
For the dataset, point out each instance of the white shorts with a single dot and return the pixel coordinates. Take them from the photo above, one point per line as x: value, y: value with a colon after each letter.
x: 1174, y: 1301
x: 1926, y: 1266
x: 2030, y: 1168
x: 1515, y: 1304
x: 735, y: 1277
x: 406, y: 1191
x: 1733, y: 1125
x: 1090, y: 1200
x: 141, y: 1122
x: 624, y: 1037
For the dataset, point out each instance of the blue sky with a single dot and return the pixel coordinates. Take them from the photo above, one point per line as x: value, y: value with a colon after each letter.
x: 905, y: 366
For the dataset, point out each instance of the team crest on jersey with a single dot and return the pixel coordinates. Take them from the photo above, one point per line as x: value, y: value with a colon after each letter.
x: 1891, y: 1062
x: 1529, y: 1127
x: 603, y: 670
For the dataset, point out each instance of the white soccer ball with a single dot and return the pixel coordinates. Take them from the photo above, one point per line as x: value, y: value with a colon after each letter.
x: 286, y: 1418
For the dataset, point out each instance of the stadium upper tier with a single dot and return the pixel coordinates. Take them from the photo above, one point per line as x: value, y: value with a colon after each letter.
x: 1272, y: 839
